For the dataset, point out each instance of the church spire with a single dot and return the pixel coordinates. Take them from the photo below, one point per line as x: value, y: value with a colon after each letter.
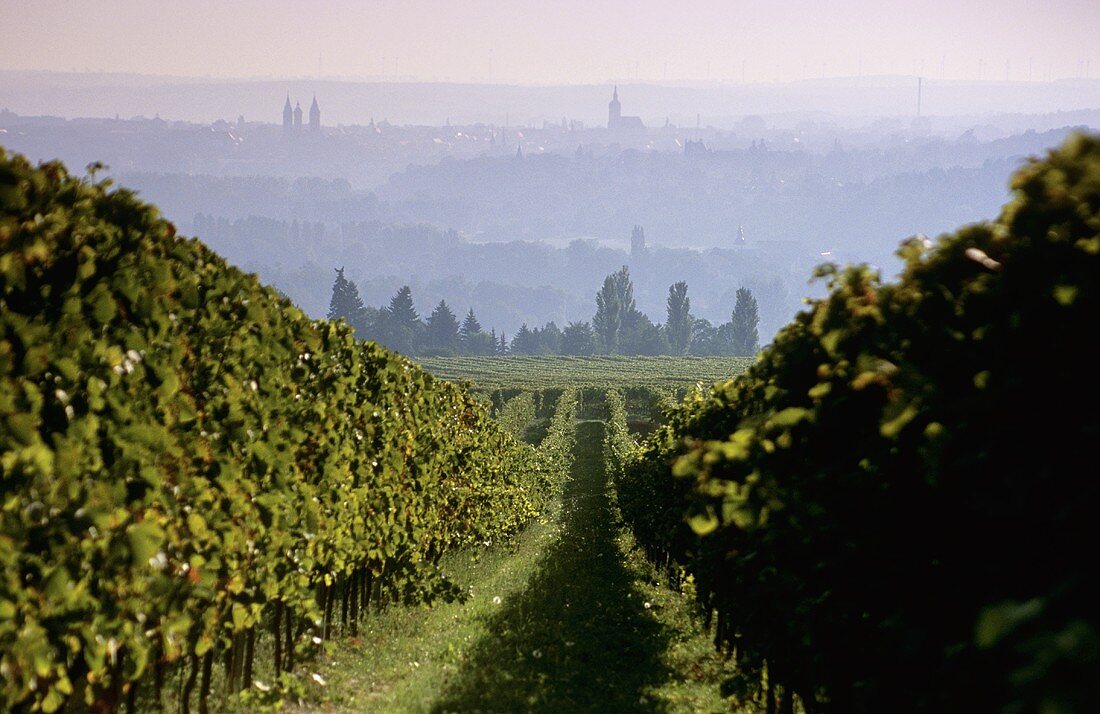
x: 288, y: 113
x: 314, y: 115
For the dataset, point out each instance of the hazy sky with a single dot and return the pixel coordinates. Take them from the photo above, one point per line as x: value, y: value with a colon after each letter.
x: 558, y: 41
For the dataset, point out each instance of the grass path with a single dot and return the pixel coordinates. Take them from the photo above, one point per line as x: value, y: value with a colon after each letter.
x: 582, y: 624
x: 405, y: 655
x: 578, y: 637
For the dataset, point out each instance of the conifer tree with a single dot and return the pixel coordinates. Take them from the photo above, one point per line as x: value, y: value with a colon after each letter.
x: 470, y: 326
x: 474, y: 340
x: 345, y: 304
x: 401, y: 328
x: 525, y: 342
x: 401, y: 310
x: 442, y: 329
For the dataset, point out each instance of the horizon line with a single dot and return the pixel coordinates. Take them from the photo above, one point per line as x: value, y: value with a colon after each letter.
x: 627, y: 82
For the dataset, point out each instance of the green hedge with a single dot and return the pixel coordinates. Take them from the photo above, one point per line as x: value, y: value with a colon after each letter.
x: 188, y: 461
x: 891, y: 510
x: 556, y: 448
x: 618, y: 444
x: 517, y: 414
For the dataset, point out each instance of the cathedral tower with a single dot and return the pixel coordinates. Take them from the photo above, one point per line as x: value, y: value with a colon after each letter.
x: 288, y: 113
x: 297, y: 115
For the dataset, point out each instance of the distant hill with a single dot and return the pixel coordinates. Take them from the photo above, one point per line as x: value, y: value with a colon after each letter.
x: 430, y: 103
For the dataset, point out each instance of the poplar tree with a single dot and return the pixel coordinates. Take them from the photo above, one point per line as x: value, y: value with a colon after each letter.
x: 744, y: 321
x: 616, y: 311
x: 608, y: 317
x: 678, y: 321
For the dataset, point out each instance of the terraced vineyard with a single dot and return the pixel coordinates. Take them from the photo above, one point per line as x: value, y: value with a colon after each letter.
x: 550, y: 371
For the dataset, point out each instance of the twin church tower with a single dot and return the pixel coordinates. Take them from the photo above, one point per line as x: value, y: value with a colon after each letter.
x: 292, y: 118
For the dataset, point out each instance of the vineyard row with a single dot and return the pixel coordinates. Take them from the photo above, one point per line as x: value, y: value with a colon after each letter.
x: 190, y: 465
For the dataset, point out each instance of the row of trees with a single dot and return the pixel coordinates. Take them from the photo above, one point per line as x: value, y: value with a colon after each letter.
x: 618, y: 327
x: 399, y: 327
x: 621, y: 328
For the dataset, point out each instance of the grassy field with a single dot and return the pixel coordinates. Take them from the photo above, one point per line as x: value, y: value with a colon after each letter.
x: 549, y: 371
